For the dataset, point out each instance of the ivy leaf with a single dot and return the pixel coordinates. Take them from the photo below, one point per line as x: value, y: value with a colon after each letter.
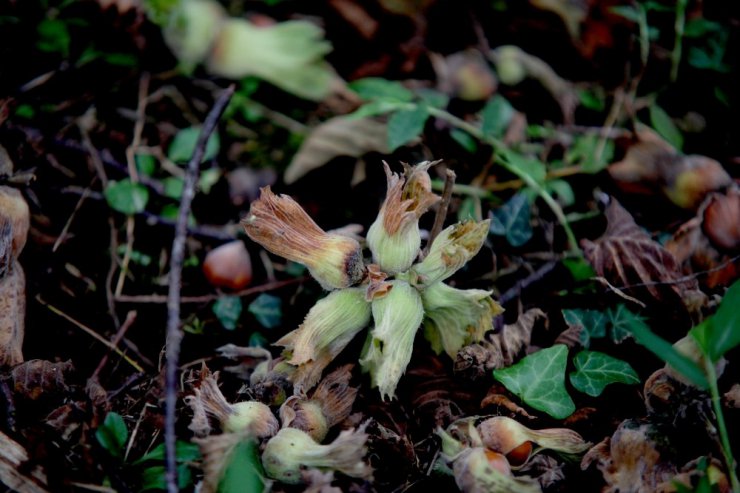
x: 512, y: 221
x: 664, y: 125
x: 721, y: 332
x: 534, y: 168
x: 243, y: 473
x: 372, y: 88
x: 406, y: 125
x: 496, y: 116
x: 113, y: 434
x: 267, y: 309
x: 228, y: 309
x: 592, y: 323
x: 374, y: 108
x: 539, y: 380
x: 621, y: 320
x: 183, y: 145
x: 595, y: 370
x: 126, y: 196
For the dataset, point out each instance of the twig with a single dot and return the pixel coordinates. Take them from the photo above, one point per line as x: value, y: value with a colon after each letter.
x: 174, y: 333
x: 444, y: 204
x: 92, y: 333
x: 516, y: 290
x: 130, y: 319
x: 207, y: 298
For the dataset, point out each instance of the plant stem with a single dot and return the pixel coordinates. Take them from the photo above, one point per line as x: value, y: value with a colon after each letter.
x: 678, y: 40
x: 524, y: 176
x: 721, y: 427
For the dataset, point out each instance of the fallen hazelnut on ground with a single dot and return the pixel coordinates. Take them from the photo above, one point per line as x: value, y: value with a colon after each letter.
x: 721, y: 220
x: 228, y: 266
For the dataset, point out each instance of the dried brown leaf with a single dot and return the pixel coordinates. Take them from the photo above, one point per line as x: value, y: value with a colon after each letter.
x: 627, y: 257
x: 37, y: 378
x: 732, y: 396
x: 339, y: 136
x: 495, y: 398
x: 500, y: 349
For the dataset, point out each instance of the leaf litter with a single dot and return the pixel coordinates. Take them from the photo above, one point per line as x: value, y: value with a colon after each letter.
x: 398, y: 370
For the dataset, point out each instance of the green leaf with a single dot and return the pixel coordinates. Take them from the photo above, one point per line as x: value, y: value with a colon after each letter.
x: 184, y: 452
x: 539, y: 380
x: 112, y: 434
x: 592, y: 99
x: 244, y: 473
x: 470, y: 208
x: 207, y: 179
x: 153, y: 478
x: 665, y: 351
x: 496, y: 116
x: 146, y: 164
x: 406, y: 125
x: 374, y: 108
x: 592, y: 321
x: 173, y: 186
x: 257, y: 339
x: 465, y: 140
x: 512, y: 221
x: 595, y: 370
x: 126, y: 196
x: 721, y: 332
x: 622, y: 320
x: 183, y: 145
x: 433, y: 98
x: 563, y: 190
x: 267, y: 309
x: 584, y: 153
x: 377, y: 88
x: 579, y: 268
x: 530, y: 166
x: 663, y: 124
x: 53, y: 37
x: 228, y: 309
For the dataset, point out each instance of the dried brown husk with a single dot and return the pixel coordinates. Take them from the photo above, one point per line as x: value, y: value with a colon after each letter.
x: 38, y: 378
x: 652, y: 165
x: 631, y: 460
x: 327, y: 405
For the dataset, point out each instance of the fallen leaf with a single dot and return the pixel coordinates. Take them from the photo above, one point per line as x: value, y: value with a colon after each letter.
x: 627, y: 257
x: 500, y: 349
x: 37, y: 378
x: 339, y: 136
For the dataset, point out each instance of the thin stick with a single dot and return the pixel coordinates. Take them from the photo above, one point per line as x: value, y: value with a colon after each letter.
x: 174, y: 333
x: 130, y: 319
x: 207, y: 298
x: 444, y: 204
x: 93, y: 334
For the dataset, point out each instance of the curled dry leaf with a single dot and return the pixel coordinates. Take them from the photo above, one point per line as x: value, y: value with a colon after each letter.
x: 37, y: 378
x: 627, y: 257
x: 631, y: 459
x: 545, y: 469
x: 495, y: 398
x: 500, y: 349
x: 732, y: 396
x: 652, y: 165
x: 339, y: 136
